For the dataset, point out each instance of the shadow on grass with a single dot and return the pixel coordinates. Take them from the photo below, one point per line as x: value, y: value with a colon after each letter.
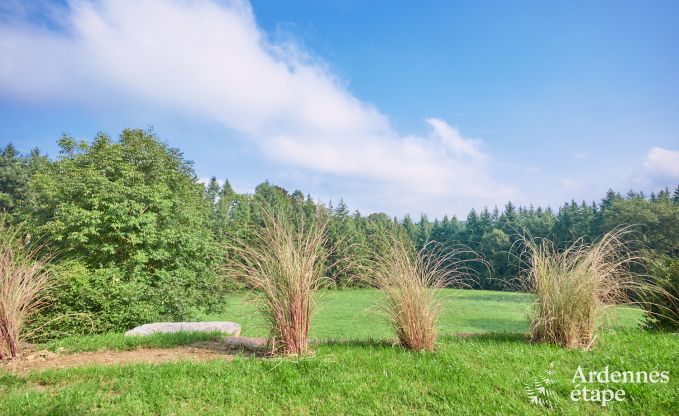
x: 486, y: 337
x: 258, y: 347
x: 490, y: 337
x: 363, y: 343
x: 511, y: 297
x: 518, y: 324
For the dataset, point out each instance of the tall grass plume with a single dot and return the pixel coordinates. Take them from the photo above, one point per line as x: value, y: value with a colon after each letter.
x: 23, y: 280
x: 576, y: 285
x: 411, y: 281
x: 283, y: 262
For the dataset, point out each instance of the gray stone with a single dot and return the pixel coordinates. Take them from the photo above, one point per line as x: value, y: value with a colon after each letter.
x: 248, y: 343
x: 228, y: 328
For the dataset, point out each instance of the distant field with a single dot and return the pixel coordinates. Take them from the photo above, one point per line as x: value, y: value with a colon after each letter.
x: 354, y: 372
x: 351, y: 314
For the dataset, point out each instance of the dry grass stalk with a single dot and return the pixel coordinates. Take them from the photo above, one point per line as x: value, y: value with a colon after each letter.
x: 23, y: 279
x: 283, y: 263
x: 411, y: 282
x: 575, y: 286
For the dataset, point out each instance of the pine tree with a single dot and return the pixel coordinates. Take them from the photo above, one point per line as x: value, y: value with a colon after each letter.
x: 409, y: 227
x: 424, y: 230
x: 473, y: 231
x: 15, y: 173
x: 486, y: 220
x: 211, y: 191
x: 508, y: 221
x: 609, y: 199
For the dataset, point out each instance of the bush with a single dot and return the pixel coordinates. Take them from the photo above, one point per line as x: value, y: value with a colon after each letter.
x: 83, y: 301
x: 664, y: 307
x: 133, y: 216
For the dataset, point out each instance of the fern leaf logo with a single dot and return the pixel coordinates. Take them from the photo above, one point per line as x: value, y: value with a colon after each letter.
x: 539, y: 392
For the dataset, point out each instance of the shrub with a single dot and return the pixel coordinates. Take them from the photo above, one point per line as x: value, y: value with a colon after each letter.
x: 411, y: 281
x: 83, y: 301
x: 283, y: 262
x: 576, y: 285
x: 23, y: 278
x: 132, y: 213
x: 664, y: 308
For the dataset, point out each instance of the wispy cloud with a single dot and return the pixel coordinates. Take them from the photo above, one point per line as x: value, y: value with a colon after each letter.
x: 532, y: 170
x: 211, y: 61
x: 570, y: 184
x: 662, y: 163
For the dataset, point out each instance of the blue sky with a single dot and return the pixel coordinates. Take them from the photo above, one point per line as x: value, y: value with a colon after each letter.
x: 402, y: 107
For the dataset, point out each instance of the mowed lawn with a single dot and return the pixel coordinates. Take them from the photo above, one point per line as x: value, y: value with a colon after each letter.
x: 357, y: 370
x: 354, y: 315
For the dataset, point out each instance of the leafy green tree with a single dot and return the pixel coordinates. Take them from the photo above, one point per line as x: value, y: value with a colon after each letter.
x: 134, y: 208
x: 657, y: 223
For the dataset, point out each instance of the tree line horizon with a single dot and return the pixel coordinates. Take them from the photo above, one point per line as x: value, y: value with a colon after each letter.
x: 135, y: 218
x: 488, y: 232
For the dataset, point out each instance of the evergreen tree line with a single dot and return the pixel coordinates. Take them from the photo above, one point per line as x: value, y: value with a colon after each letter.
x: 143, y: 239
x: 497, y: 236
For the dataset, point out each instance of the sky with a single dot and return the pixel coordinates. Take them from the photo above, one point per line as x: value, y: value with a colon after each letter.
x: 403, y: 107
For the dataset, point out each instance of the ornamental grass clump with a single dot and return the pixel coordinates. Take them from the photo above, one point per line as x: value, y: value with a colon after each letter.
x: 283, y: 263
x: 411, y: 281
x: 575, y: 286
x: 23, y: 280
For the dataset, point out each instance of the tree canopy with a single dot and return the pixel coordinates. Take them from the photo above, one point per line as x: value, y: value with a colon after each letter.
x: 147, y: 237
x: 133, y: 213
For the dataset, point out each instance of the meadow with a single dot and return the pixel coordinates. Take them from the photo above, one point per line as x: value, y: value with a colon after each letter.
x: 482, y: 365
x: 352, y: 314
x: 270, y: 186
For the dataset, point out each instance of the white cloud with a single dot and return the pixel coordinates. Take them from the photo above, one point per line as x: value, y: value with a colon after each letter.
x: 580, y: 155
x: 211, y: 61
x: 570, y: 184
x: 662, y: 163
x: 532, y: 170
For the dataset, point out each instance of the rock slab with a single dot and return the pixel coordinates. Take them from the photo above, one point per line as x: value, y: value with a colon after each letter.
x: 227, y: 328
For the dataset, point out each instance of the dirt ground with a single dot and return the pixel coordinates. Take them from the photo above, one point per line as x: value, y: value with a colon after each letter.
x: 33, y: 360
x: 200, y: 351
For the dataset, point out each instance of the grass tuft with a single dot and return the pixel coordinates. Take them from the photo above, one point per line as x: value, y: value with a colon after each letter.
x: 23, y: 279
x: 283, y: 262
x: 577, y: 285
x: 411, y: 281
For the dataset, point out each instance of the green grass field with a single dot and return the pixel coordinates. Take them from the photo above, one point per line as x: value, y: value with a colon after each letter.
x: 357, y: 370
x: 349, y: 315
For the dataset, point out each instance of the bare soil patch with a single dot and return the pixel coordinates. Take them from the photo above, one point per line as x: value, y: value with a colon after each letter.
x: 34, y: 360
x: 200, y: 351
